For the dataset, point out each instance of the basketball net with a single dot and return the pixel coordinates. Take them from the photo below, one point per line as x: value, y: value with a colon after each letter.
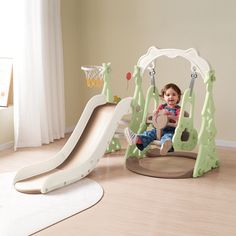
x: 93, y: 75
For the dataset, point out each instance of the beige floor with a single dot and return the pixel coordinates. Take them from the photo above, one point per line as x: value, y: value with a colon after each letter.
x: 136, y: 205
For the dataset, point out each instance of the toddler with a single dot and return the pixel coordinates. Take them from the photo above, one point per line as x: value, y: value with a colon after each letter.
x: 171, y: 94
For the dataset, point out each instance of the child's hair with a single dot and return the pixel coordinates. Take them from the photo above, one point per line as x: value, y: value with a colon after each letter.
x: 173, y: 86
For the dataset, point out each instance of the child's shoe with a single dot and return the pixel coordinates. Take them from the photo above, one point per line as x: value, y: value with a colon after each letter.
x: 130, y: 136
x: 165, y: 147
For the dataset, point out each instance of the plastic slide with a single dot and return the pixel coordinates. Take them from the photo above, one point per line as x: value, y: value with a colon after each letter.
x: 81, y: 153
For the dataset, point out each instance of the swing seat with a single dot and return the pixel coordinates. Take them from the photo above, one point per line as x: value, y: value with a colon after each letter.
x: 157, y: 143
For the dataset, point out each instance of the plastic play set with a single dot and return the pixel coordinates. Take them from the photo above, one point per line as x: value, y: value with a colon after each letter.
x: 78, y: 157
x: 186, y: 136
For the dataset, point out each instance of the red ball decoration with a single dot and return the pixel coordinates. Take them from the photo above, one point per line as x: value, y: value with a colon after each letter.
x: 128, y: 76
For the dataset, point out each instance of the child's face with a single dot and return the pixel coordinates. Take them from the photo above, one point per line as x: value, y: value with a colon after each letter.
x: 171, y: 97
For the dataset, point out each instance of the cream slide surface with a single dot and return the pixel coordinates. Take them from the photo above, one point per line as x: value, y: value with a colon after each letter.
x: 81, y: 153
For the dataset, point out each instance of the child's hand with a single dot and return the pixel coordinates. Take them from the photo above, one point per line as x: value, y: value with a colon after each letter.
x: 172, y: 118
x: 165, y: 112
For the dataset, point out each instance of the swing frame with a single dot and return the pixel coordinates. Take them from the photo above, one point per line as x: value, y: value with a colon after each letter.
x: 207, y: 157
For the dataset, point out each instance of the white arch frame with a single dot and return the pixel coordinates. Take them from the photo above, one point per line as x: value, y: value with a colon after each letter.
x: 201, y: 65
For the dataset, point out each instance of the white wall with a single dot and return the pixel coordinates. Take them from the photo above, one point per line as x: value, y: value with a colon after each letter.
x: 6, y: 127
x: 121, y: 31
x: 97, y: 31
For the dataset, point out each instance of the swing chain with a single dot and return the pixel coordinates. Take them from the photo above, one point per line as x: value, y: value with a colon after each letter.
x: 152, y: 73
x: 193, y: 77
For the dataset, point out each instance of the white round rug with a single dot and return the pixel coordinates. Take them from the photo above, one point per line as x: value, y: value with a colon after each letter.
x: 25, y: 214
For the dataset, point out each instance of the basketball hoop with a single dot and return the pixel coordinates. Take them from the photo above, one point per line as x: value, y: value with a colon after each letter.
x: 93, y: 75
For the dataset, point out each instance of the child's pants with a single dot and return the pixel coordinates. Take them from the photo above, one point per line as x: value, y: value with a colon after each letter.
x: 150, y: 135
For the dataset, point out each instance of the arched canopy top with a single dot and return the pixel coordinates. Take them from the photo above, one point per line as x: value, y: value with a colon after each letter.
x: 190, y: 54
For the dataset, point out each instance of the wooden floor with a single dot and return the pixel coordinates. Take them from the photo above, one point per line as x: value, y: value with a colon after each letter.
x: 135, y: 205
